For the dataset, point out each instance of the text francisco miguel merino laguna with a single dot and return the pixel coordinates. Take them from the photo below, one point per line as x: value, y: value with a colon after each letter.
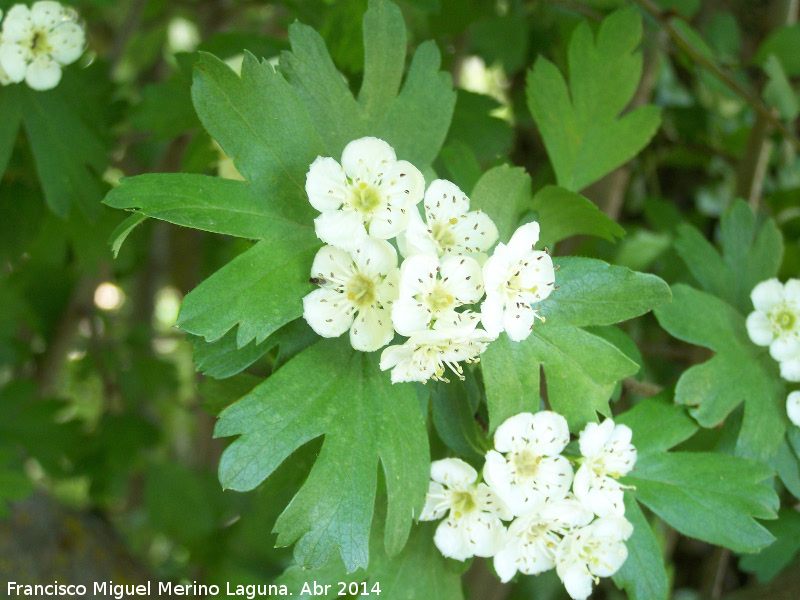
x: 120, y: 591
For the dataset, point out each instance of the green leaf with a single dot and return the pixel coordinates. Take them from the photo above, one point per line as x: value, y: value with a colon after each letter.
x: 123, y: 230
x: 739, y: 372
x: 774, y: 558
x: 69, y: 155
x: 658, y: 424
x: 9, y: 125
x: 353, y: 404
x: 643, y: 574
x: 206, y: 203
x: 223, y: 357
x: 786, y: 466
x: 751, y: 253
x: 489, y: 138
x: 14, y: 484
x: 584, y: 138
x: 778, y: 91
x: 384, y: 58
x: 273, y: 142
x: 453, y: 413
x: 581, y: 369
x: 260, y: 290
x: 503, y: 193
x: 709, y: 496
x: 562, y: 214
x: 783, y: 43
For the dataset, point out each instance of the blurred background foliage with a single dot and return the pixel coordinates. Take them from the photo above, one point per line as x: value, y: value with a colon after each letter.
x: 104, y: 419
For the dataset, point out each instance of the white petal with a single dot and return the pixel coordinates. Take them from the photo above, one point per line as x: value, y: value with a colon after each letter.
x: 372, y: 329
x: 464, y: 278
x: 492, y: 314
x: 436, y: 504
x: 518, y: 321
x: 486, y: 533
x: 67, y: 42
x: 375, y: 257
x: 43, y: 73
x: 524, y: 239
x: 417, y: 274
x: 410, y: 316
x: 326, y: 184
x: 46, y: 14
x: 594, y: 437
x: 767, y: 294
x: 784, y: 348
x: 793, y: 407
x: 332, y: 264
x: 495, y: 269
x: 538, y: 276
x: 505, y: 562
x: 14, y: 60
x: 475, y: 231
x: 577, y: 579
x: 451, y: 540
x: 550, y: 432
x: 403, y: 184
x: 759, y: 328
x: 791, y: 291
x: 498, y: 474
x: 489, y: 501
x: 453, y: 472
x: 444, y: 201
x: 790, y: 369
x: 17, y: 26
x: 605, y: 498
x: 326, y: 312
x: 387, y: 222
x: 364, y: 158
x: 340, y: 228
x: 514, y: 432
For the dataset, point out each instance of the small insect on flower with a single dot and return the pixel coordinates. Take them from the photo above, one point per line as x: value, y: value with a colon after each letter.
x: 317, y: 280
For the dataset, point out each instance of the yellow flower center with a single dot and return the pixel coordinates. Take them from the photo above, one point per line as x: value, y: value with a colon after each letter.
x: 364, y: 198
x: 462, y: 502
x: 439, y: 299
x: 442, y: 234
x: 784, y: 319
x: 39, y: 44
x: 361, y: 290
x: 526, y: 463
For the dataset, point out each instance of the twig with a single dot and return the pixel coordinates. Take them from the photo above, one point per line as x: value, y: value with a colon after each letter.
x: 701, y: 59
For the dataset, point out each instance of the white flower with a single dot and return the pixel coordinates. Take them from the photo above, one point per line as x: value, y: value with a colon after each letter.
x: 532, y: 539
x: 473, y: 526
x: 38, y: 41
x: 450, y: 228
x: 597, y: 550
x: 4, y: 80
x: 526, y: 468
x: 429, y: 292
x: 356, y: 292
x: 371, y: 192
x: 793, y: 407
x: 790, y: 368
x: 608, y: 455
x: 515, y: 277
x: 776, y: 319
x: 426, y: 353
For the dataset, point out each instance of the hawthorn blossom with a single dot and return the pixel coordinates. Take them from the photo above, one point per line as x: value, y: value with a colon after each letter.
x: 608, y: 454
x: 776, y: 319
x: 793, y: 407
x: 430, y: 291
x: 515, y: 277
x: 426, y: 353
x: 532, y: 539
x: 473, y: 525
x: 450, y: 228
x: 527, y: 468
x: 370, y: 193
x: 38, y: 41
x: 356, y: 292
x: 596, y: 550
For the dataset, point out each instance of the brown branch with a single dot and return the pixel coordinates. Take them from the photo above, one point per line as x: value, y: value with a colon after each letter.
x: 663, y: 19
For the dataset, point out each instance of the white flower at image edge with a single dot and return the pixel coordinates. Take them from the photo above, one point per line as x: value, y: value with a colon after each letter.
x: 430, y: 291
x: 793, y: 407
x: 38, y: 41
x: 426, y: 353
x: 449, y: 228
x: 473, y: 525
x: 515, y: 277
x: 371, y: 192
x: 776, y: 319
x: 527, y: 468
x: 597, y: 550
x: 532, y: 539
x: 608, y: 454
x: 356, y: 291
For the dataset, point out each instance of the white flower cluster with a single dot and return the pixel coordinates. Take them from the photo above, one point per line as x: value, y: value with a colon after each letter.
x: 775, y: 322
x: 371, y: 198
x: 581, y: 533
x: 36, y: 42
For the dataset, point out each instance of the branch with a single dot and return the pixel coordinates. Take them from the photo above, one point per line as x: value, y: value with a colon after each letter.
x: 701, y: 59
